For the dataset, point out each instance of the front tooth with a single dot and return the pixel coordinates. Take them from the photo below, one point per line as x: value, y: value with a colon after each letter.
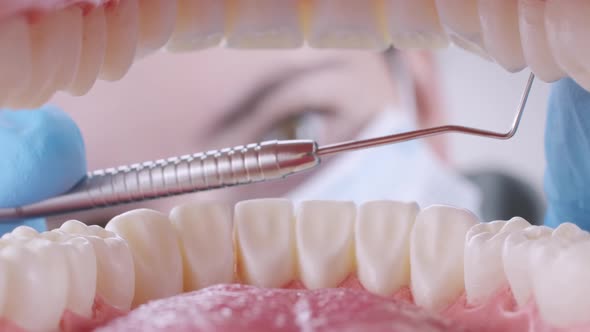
x: 265, y: 242
x: 156, y: 253
x: 94, y: 40
x: 15, y: 67
x: 460, y: 19
x: 382, y: 238
x: 484, y: 272
x: 501, y: 36
x: 559, y: 272
x: 122, y: 38
x: 264, y: 24
x: 436, y: 255
x: 81, y: 267
x: 69, y: 41
x: 205, y: 234
x: 115, y: 277
x: 515, y: 258
x: 415, y: 24
x: 566, y: 24
x: 531, y: 19
x: 325, y: 242
x: 45, y: 38
x: 37, y: 277
x: 346, y: 24
x: 199, y: 24
x: 156, y: 23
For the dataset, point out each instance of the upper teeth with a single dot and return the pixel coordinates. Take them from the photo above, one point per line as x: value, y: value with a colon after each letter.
x: 438, y: 252
x: 65, y: 51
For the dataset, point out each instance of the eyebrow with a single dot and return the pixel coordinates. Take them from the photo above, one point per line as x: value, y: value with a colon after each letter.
x: 248, y: 105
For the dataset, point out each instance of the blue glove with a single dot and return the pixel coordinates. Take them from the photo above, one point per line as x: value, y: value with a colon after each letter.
x: 42, y: 155
x: 567, y: 150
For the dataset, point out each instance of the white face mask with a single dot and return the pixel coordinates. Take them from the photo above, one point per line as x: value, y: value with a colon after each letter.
x: 406, y: 171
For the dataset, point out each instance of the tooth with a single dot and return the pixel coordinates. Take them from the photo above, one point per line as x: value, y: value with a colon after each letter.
x: 205, y: 235
x: 559, y: 272
x: 484, y: 272
x: 199, y: 24
x: 115, y: 277
x: 415, y: 24
x: 460, y: 19
x: 122, y: 39
x: 436, y: 255
x: 45, y: 38
x: 346, y: 24
x: 531, y: 19
x: 565, y: 22
x: 15, y: 67
x: 69, y: 40
x: 501, y: 36
x: 382, y: 237
x: 94, y: 40
x: 265, y: 240
x: 515, y: 258
x: 157, y: 20
x: 21, y: 233
x: 81, y: 268
x: 37, y: 282
x: 325, y: 242
x: 156, y: 253
x: 264, y: 24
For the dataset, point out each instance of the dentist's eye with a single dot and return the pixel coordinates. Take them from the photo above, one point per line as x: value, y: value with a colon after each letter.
x: 302, y: 125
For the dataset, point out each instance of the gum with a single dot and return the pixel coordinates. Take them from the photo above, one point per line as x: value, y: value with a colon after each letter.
x: 32, y: 7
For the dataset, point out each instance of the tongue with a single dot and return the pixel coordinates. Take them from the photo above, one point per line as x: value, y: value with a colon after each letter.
x: 246, y: 308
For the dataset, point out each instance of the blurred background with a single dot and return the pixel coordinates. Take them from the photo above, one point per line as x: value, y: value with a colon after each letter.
x: 171, y: 104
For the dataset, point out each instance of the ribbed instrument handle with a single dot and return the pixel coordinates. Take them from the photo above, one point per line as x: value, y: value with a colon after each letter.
x: 174, y: 176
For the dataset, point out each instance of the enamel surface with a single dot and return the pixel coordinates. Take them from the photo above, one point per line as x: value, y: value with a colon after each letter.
x: 436, y: 255
x: 559, y: 272
x: 501, y: 35
x: 264, y: 24
x: 115, y: 276
x: 484, y: 271
x: 15, y: 68
x: 382, y: 242
x: 415, y: 24
x: 515, y: 258
x: 199, y: 24
x: 460, y: 19
x: 44, y: 264
x: 325, y: 239
x: 122, y: 38
x: 345, y: 24
x: 157, y: 19
x: 204, y: 233
x: 154, y: 245
x: 535, y: 47
x: 265, y: 238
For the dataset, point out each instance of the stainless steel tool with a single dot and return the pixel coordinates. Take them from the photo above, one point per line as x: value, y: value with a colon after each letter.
x: 220, y: 168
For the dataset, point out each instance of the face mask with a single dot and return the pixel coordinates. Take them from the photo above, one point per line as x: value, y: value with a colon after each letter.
x: 407, y: 171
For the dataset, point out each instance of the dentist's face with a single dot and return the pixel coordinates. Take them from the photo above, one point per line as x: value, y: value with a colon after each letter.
x: 171, y: 104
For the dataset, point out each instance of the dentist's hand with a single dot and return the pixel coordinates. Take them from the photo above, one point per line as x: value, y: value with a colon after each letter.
x: 41, y: 155
x: 567, y: 151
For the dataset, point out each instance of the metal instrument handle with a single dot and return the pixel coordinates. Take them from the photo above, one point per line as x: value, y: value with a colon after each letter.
x: 197, y: 172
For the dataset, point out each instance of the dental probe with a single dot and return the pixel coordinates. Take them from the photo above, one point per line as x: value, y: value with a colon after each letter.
x: 219, y: 168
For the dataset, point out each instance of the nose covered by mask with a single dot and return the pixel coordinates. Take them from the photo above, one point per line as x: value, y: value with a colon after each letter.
x: 407, y: 171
